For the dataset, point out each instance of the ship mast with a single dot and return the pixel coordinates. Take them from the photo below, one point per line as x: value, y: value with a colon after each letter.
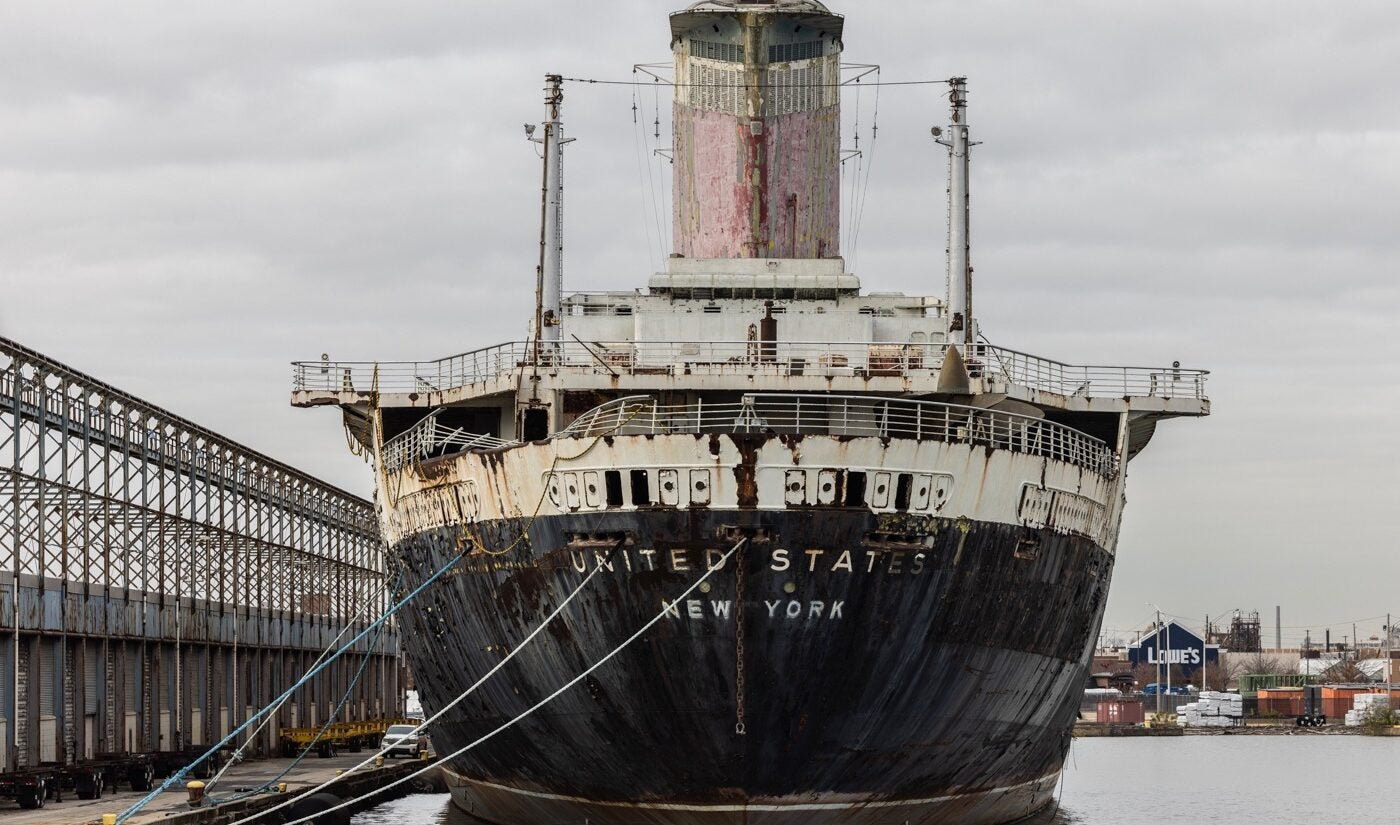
x: 959, y: 246
x: 549, y: 274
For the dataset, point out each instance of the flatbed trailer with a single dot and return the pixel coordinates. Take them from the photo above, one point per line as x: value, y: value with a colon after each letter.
x: 351, y: 736
x: 90, y: 778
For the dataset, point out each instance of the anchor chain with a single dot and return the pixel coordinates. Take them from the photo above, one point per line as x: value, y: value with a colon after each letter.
x: 739, y: 689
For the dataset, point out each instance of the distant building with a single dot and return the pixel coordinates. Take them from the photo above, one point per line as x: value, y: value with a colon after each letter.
x: 1173, y: 644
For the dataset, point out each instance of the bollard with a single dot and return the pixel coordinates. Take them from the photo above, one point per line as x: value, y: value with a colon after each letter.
x: 109, y: 819
x: 196, y: 792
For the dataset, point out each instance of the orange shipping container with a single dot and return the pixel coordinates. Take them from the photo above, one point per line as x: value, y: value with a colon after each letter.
x: 1336, y: 701
x: 1284, y: 702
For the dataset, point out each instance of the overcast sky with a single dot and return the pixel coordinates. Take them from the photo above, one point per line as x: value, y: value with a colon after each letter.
x: 194, y: 194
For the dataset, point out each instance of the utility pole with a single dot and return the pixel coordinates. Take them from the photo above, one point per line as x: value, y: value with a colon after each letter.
x: 1159, y: 663
x: 1388, y: 654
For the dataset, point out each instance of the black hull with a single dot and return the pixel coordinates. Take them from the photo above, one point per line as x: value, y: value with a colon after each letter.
x: 921, y: 670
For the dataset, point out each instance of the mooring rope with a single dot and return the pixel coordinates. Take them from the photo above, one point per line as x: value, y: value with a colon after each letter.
x: 179, y: 775
x: 469, y: 691
x: 349, y: 690
x: 502, y: 728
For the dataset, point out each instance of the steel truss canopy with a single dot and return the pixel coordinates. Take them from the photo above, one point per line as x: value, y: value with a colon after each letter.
x: 101, y: 487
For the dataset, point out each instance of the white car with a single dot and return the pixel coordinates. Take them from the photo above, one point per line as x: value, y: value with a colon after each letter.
x: 401, y: 740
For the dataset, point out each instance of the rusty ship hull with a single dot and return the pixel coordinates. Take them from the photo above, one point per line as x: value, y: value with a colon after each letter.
x: 892, y: 669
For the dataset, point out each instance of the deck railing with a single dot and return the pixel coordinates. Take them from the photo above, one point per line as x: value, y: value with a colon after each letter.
x: 766, y: 358
x: 872, y: 416
x: 429, y: 438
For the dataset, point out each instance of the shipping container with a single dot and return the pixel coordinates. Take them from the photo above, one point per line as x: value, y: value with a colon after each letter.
x: 1120, y: 712
x: 1338, y: 699
x: 1281, y: 702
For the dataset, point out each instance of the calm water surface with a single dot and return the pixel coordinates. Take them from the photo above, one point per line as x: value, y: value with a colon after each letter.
x: 1278, y: 780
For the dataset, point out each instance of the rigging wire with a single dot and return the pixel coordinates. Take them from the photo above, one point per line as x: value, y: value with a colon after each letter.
x: 855, y: 184
x: 1317, y: 626
x: 642, y: 175
x: 658, y: 195
x: 512, y: 722
x: 865, y: 187
x: 592, y: 81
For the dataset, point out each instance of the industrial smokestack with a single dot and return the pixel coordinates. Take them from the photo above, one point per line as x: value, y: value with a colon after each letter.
x: 1278, y: 627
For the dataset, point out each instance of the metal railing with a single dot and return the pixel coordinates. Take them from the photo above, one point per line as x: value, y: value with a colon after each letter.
x: 1086, y: 380
x: 771, y: 358
x: 448, y: 373
x: 842, y: 415
x: 427, y: 439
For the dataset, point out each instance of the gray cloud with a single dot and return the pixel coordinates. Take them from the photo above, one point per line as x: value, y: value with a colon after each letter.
x: 195, y: 194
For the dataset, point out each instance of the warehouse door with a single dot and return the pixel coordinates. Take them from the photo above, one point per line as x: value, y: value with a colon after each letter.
x: 90, y: 695
x: 48, y: 721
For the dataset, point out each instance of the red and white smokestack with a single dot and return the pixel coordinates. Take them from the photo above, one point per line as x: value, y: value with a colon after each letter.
x: 757, y: 121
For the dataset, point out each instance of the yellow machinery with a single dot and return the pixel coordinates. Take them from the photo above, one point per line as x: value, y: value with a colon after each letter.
x: 352, y: 736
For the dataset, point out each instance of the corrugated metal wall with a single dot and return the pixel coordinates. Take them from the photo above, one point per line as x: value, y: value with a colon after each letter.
x: 81, y: 695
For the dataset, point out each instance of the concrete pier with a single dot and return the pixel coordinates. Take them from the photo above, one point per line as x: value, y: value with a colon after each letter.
x: 171, y: 808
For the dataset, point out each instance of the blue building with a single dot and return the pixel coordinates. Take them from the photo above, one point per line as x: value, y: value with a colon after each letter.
x: 1173, y: 644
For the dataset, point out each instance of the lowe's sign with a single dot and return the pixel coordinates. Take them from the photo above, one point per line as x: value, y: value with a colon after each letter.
x: 1173, y: 645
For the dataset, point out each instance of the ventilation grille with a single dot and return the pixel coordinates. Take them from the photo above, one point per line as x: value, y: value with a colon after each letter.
x: 788, y: 52
x: 719, y: 88
x: 795, y: 89
x: 802, y: 86
x: 729, y: 52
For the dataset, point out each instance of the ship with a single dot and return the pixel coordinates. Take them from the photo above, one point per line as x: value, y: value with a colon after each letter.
x: 906, y: 533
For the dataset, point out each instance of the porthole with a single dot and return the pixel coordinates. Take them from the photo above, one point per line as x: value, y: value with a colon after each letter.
x: 795, y: 486
x: 880, y: 496
x: 669, y: 483
x: 571, y: 497
x: 591, y: 498
x: 699, y: 487
x: 827, y: 487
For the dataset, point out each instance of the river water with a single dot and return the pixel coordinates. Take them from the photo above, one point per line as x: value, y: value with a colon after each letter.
x: 1304, y: 778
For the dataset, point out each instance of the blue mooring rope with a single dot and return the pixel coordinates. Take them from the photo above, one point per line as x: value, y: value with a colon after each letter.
x: 329, y: 720
x: 183, y: 772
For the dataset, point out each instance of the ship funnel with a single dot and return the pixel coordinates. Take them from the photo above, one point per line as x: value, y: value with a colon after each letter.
x: 757, y: 125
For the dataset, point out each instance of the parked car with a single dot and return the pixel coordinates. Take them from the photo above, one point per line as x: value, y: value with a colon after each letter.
x: 400, y: 740
x: 1154, y: 688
